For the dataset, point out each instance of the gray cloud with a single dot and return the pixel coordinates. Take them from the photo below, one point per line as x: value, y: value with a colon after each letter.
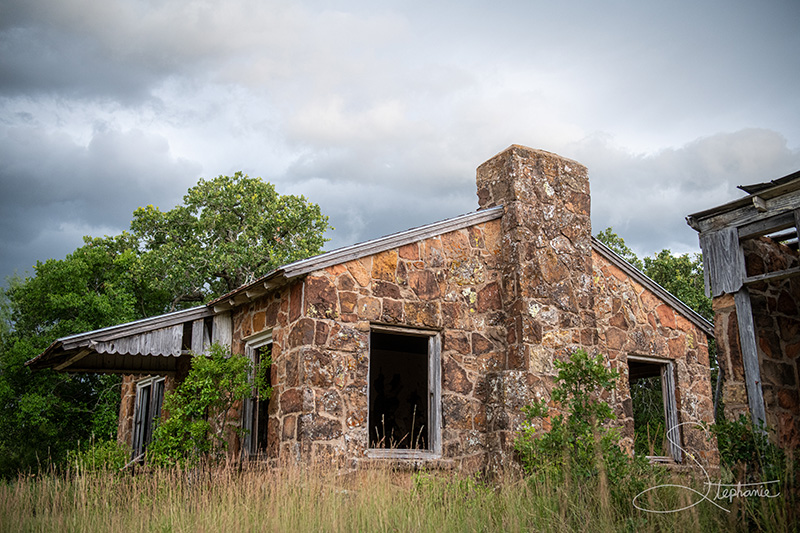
x: 53, y: 190
x: 381, y: 112
x: 646, y: 198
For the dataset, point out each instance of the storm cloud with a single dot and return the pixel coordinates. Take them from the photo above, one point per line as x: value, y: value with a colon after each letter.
x: 381, y: 112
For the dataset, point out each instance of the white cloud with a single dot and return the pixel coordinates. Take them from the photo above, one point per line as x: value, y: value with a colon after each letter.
x: 647, y: 197
x: 381, y: 112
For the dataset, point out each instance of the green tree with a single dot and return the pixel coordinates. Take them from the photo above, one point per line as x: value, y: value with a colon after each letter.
x: 681, y: 275
x: 229, y: 231
x: 44, y: 414
x: 618, y: 246
x: 198, y: 411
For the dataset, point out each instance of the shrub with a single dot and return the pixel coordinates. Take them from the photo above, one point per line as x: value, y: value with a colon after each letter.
x: 99, y: 456
x: 579, y: 444
x: 198, y: 411
x: 745, y: 448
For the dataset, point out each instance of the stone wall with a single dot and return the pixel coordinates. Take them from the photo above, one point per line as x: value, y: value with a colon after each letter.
x: 127, y: 405
x: 546, y: 272
x: 632, y: 320
x: 126, y: 410
x: 270, y: 312
x: 321, y: 325
x: 507, y: 298
x: 777, y: 321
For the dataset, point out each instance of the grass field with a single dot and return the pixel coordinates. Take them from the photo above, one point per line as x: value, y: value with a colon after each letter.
x: 319, y: 499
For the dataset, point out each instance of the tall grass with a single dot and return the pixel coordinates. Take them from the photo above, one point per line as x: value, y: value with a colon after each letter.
x: 321, y: 499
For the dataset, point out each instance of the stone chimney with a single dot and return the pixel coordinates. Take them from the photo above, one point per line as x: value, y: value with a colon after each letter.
x: 547, y: 255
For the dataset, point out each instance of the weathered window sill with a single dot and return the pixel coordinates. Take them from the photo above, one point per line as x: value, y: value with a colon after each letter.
x: 422, y: 455
x: 406, y: 460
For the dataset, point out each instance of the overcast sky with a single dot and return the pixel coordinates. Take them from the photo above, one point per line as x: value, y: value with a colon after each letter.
x: 381, y: 111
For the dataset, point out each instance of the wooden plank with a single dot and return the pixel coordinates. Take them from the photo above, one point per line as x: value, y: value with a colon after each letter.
x: 435, y: 393
x: 223, y: 306
x: 140, y: 326
x: 387, y: 328
x: 797, y: 223
x: 77, y: 357
x: 164, y: 341
x: 123, y: 371
x: 706, y: 270
x: 222, y: 330
x: 671, y: 411
x: 200, y: 339
x: 773, y: 276
x: 742, y: 212
x: 247, y: 427
x: 725, y: 260
x: 747, y: 341
x: 771, y: 224
x: 255, y: 292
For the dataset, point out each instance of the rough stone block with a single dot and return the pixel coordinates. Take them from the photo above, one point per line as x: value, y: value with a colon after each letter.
x: 384, y: 265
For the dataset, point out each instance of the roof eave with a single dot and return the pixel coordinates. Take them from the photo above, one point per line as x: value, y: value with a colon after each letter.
x: 286, y: 273
x: 690, y: 314
x: 701, y: 220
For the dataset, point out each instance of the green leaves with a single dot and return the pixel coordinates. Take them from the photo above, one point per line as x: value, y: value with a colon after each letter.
x: 230, y: 231
x: 43, y: 414
x: 198, y: 410
x: 745, y: 448
x: 577, y: 443
x: 682, y: 276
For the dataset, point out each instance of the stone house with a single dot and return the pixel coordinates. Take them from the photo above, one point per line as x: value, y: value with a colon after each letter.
x: 752, y: 266
x: 422, y: 346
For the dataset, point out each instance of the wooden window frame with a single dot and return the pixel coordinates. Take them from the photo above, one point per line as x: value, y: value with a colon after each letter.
x: 669, y: 396
x: 434, y: 450
x: 144, y: 423
x: 252, y: 344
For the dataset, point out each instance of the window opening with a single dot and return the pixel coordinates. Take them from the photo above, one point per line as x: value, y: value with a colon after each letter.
x: 256, y: 408
x: 149, y: 398
x: 655, y: 415
x: 404, y: 391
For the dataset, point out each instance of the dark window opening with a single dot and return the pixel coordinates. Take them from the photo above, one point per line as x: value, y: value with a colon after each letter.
x: 186, y: 338
x: 399, y: 408
x: 261, y: 408
x: 654, y: 409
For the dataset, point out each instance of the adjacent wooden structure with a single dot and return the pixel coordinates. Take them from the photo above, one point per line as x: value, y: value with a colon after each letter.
x: 768, y: 216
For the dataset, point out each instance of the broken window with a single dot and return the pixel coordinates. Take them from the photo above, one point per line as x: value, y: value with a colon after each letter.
x: 255, y: 412
x: 147, y: 410
x: 655, y: 413
x: 404, y: 390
